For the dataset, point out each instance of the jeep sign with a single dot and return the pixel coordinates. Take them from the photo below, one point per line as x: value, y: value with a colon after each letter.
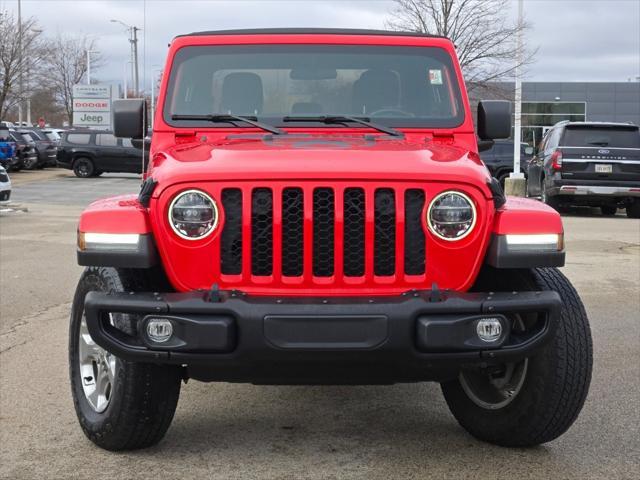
x: 92, y: 105
x: 92, y: 119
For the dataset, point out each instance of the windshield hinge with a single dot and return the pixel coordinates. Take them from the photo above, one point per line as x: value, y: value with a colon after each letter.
x: 443, y: 136
x: 185, y: 136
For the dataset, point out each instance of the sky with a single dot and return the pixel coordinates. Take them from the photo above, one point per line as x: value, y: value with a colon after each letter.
x: 577, y: 40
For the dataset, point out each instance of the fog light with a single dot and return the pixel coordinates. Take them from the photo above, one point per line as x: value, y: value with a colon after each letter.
x: 159, y: 330
x: 489, y: 329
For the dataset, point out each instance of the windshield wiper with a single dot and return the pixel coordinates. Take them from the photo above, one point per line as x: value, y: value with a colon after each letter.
x: 228, y: 118
x: 599, y: 144
x: 329, y: 119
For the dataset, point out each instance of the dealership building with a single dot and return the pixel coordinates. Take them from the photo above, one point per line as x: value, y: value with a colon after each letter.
x: 546, y: 103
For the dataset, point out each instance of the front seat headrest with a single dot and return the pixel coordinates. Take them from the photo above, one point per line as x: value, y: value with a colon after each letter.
x: 376, y: 89
x: 242, y: 94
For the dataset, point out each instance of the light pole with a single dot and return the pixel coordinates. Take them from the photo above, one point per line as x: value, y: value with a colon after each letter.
x: 133, y: 39
x: 20, y: 86
x: 89, y: 52
x: 125, y: 94
x: 518, y: 98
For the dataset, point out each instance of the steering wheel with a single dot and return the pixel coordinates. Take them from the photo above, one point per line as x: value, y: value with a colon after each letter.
x: 391, y: 112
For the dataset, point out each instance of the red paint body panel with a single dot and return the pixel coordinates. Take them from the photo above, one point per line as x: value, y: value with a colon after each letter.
x: 526, y: 216
x: 121, y: 214
x: 212, y: 159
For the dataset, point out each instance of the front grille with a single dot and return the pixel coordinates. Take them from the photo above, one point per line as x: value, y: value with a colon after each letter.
x: 323, y: 232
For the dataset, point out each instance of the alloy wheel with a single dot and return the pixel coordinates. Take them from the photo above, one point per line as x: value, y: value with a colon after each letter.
x: 97, y: 370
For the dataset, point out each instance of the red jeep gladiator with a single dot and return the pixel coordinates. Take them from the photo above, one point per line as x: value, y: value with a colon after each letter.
x: 315, y: 212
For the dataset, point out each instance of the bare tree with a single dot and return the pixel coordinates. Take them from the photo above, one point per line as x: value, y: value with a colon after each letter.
x: 14, y: 63
x: 485, y: 39
x: 67, y: 66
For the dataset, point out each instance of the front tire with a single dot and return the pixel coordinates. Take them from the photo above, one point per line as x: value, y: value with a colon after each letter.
x: 544, y: 393
x: 120, y: 405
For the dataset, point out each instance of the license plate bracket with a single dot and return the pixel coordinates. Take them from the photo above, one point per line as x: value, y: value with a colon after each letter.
x: 325, y: 332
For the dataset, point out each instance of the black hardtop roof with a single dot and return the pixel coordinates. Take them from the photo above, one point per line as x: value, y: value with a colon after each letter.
x: 310, y: 31
x: 569, y: 124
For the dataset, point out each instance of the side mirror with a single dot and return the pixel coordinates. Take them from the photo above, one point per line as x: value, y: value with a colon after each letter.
x: 129, y: 118
x: 494, y: 119
x: 528, y: 150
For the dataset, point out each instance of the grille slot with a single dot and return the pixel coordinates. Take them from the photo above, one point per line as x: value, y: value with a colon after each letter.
x: 231, y: 238
x: 262, y: 232
x: 354, y: 232
x: 384, y: 249
x: 414, y: 247
x: 323, y: 232
x: 292, y: 231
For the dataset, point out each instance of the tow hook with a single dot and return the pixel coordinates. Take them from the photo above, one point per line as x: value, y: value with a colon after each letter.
x: 435, y: 295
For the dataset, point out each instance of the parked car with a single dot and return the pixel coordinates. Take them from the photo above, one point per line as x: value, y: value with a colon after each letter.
x: 5, y: 185
x: 26, y: 147
x: 58, y: 131
x: 7, y: 148
x: 52, y: 135
x: 588, y: 163
x: 499, y: 158
x: 356, y: 252
x: 46, y: 147
x: 90, y: 153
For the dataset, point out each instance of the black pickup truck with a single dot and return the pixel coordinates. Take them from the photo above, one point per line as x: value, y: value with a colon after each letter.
x: 588, y: 163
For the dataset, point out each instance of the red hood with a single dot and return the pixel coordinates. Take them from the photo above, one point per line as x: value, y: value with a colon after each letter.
x: 318, y: 157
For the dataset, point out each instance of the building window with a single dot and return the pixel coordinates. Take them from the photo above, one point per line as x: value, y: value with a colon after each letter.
x: 538, y: 117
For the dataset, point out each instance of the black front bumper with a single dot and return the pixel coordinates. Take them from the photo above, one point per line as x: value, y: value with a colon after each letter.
x: 420, y: 335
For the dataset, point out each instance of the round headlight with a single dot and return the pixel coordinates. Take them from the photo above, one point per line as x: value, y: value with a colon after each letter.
x: 451, y: 216
x: 193, y: 215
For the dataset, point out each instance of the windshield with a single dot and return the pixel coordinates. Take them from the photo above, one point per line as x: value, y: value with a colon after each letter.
x: 615, y: 137
x: 394, y: 86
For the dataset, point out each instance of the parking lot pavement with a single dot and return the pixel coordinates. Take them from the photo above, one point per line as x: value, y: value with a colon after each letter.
x: 244, y: 431
x: 62, y: 187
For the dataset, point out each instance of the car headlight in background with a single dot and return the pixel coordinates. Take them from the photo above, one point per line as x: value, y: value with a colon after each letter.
x: 193, y: 215
x: 451, y: 215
